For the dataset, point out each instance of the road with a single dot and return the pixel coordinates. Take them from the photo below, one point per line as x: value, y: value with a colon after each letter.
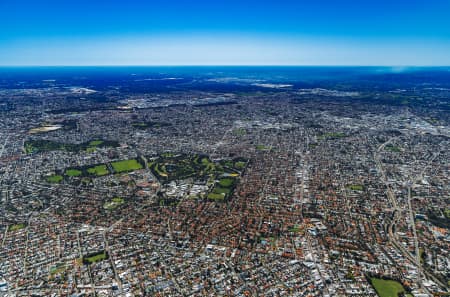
x: 397, y: 216
x: 89, y: 269
x: 111, y: 258
x: 3, y: 147
x: 412, y: 221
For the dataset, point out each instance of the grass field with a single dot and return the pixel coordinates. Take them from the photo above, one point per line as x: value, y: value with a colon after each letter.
x: 220, y: 176
x: 140, y: 125
x: 95, y: 258
x: 16, y: 227
x: 387, y: 288
x: 215, y: 196
x: 126, y: 165
x: 169, y: 166
x: 41, y: 145
x: 222, y: 189
x: 239, y: 165
x: 160, y: 170
x: 95, y: 142
x: 226, y: 182
x: 92, y: 145
x: 114, y: 203
x: 239, y: 131
x: 392, y: 148
x: 58, y: 269
x: 98, y: 170
x: 261, y: 147
x: 73, y: 172
x: 447, y: 213
x: 356, y: 187
x: 218, y: 190
x: 91, y: 149
x: 294, y: 229
x: 235, y: 164
x: 29, y: 148
x: 55, y: 178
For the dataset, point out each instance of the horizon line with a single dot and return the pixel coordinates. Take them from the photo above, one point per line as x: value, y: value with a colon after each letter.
x: 225, y: 65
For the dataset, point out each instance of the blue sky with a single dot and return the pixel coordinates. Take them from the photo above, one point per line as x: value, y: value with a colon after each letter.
x: 225, y: 32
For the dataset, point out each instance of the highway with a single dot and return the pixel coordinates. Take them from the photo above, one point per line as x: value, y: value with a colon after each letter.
x: 3, y: 147
x: 398, y: 214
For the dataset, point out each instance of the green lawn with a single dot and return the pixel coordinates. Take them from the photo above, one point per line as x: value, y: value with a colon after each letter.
x: 98, y: 170
x: 447, y: 213
x: 95, y: 142
x: 228, y: 163
x: 118, y: 200
x: 214, y: 196
x: 114, y: 203
x: 73, y: 172
x: 239, y: 165
x: 55, y: 178
x: 387, y: 288
x: 226, y: 182
x: 222, y: 189
x: 91, y: 149
x: 58, y: 269
x: 240, y: 131
x: 206, y: 161
x: 356, y: 187
x: 92, y: 145
x: 140, y: 125
x: 261, y: 147
x: 32, y: 146
x: 16, y: 227
x: 392, y: 148
x: 29, y: 148
x: 294, y: 229
x: 210, y: 166
x: 218, y: 190
x: 126, y: 165
x: 95, y: 258
x: 161, y: 171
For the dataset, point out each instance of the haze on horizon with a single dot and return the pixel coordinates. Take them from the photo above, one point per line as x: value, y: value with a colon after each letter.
x: 232, y: 32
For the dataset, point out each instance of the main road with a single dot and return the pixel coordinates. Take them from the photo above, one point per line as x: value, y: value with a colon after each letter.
x: 397, y: 215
